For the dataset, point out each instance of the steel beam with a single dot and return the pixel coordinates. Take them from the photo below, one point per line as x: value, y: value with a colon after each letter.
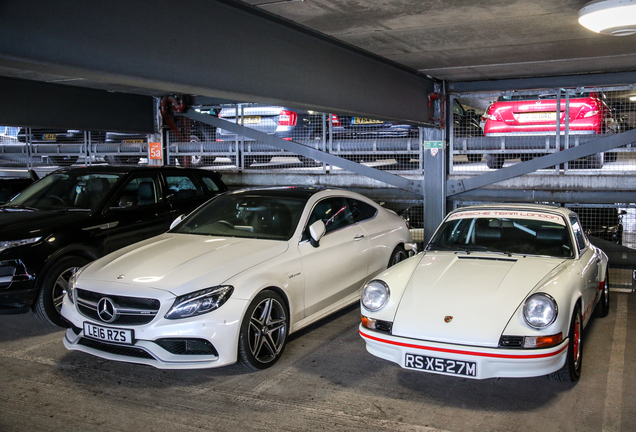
x: 592, y: 147
x: 388, y: 178
x: 217, y: 48
x: 40, y: 104
x: 565, y: 81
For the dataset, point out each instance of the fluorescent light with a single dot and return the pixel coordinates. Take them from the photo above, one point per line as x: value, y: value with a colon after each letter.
x: 632, y: 98
x: 610, y: 17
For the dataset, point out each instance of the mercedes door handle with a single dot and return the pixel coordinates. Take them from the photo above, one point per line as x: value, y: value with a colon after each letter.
x: 358, y: 237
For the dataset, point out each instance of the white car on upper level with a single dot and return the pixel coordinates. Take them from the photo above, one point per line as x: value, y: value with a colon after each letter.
x: 500, y: 291
x: 231, y: 280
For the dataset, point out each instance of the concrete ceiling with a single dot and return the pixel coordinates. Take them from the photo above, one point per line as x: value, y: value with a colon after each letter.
x: 459, y: 40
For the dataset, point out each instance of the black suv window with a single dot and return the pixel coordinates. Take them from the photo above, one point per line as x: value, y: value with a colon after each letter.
x: 210, y: 184
x: 139, y: 191
x: 181, y: 187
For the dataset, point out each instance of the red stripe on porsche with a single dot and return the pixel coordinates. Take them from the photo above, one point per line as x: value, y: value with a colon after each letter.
x: 472, y: 353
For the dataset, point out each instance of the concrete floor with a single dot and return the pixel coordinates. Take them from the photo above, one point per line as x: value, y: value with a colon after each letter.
x: 325, y: 381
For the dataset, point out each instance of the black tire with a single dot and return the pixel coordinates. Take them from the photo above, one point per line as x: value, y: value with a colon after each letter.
x: 53, y: 288
x: 571, y: 370
x: 263, y: 331
x: 474, y: 158
x: 399, y: 254
x: 63, y: 160
x: 602, y: 307
x: 494, y: 161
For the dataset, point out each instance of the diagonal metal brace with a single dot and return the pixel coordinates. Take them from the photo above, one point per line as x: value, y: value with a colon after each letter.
x: 391, y: 179
x: 592, y: 147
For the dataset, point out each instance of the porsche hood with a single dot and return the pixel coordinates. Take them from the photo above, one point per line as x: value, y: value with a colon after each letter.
x: 176, y: 262
x: 466, y: 299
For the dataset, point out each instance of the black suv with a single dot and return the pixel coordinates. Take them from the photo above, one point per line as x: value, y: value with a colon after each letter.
x: 76, y: 215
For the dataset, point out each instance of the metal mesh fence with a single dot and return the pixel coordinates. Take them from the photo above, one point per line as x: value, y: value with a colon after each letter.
x: 381, y: 144
x: 52, y: 148
x: 493, y: 130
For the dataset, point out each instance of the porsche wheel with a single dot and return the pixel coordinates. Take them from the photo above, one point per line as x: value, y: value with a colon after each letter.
x: 571, y: 370
x: 602, y: 307
x: 53, y: 288
x: 263, y: 331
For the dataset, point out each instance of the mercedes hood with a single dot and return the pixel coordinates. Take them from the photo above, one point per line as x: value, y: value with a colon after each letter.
x: 177, y: 262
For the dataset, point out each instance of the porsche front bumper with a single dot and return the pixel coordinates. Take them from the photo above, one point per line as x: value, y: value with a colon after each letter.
x: 465, y: 361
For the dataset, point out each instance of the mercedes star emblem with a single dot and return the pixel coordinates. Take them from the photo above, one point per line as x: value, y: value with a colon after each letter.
x: 107, y: 310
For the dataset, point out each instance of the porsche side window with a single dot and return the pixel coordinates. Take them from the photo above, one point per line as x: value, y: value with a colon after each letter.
x: 334, y: 212
x: 578, y: 233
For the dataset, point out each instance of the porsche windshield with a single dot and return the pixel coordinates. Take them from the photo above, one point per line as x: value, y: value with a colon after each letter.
x: 245, y: 215
x: 530, y: 234
x: 66, y: 191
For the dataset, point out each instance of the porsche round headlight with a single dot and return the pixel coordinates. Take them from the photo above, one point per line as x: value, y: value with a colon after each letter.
x: 540, y: 310
x: 375, y: 295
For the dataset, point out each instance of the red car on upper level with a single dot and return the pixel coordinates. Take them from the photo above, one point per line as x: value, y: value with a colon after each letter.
x: 515, y: 114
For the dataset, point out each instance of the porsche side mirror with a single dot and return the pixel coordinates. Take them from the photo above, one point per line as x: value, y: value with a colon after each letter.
x: 177, y: 221
x: 316, y: 231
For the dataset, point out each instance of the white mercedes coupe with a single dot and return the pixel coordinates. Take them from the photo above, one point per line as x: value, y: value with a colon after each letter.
x: 231, y: 280
x: 499, y: 291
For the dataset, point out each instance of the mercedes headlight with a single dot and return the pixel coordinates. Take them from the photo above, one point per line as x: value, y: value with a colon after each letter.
x: 375, y: 295
x: 7, y: 244
x: 540, y: 310
x: 199, y: 302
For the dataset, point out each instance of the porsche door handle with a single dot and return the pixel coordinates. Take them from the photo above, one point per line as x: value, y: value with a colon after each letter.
x: 358, y: 237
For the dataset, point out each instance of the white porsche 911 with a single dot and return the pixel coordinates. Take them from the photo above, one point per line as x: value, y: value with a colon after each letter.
x: 231, y: 280
x: 500, y: 291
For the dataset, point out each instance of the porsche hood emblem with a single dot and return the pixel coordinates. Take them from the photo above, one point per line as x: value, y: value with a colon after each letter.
x: 448, y: 319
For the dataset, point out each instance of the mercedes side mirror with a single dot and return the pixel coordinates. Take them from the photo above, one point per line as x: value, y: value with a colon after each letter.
x: 316, y: 231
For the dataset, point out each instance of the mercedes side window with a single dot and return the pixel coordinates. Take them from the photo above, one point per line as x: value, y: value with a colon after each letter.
x: 334, y: 212
x: 360, y: 210
x: 139, y: 191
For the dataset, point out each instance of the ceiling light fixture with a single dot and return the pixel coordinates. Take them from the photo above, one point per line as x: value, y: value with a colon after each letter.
x: 610, y: 17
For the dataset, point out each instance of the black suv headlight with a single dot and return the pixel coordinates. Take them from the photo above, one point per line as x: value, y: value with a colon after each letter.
x: 199, y: 302
x: 8, y: 244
